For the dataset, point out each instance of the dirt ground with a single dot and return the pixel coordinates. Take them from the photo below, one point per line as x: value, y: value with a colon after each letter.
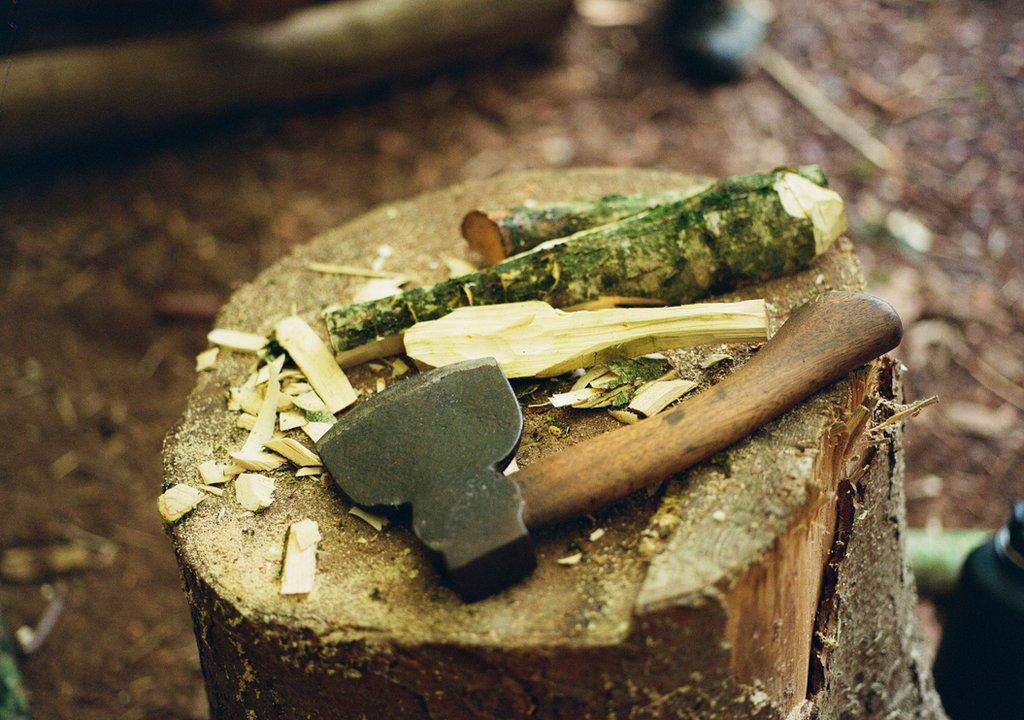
x: 113, y: 263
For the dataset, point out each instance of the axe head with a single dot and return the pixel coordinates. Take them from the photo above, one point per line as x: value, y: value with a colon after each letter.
x: 438, y: 443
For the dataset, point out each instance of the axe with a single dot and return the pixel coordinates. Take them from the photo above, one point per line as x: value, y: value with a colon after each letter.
x: 437, y: 443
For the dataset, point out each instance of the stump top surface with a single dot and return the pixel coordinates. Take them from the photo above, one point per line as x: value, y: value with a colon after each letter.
x: 677, y: 546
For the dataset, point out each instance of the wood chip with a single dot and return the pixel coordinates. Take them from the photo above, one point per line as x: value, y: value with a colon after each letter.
x: 316, y: 360
x: 246, y: 421
x: 573, y: 559
x: 212, y: 489
x: 299, y: 569
x: 212, y: 473
x: 257, y: 460
x: 377, y: 289
x: 290, y: 420
x: 308, y: 471
x: 380, y: 385
x: 377, y: 522
x: 573, y: 396
x: 587, y: 378
x: 294, y: 451
x: 352, y: 270
x: 714, y: 359
x: 254, y: 492
x: 316, y: 430
x: 597, y: 535
x: 656, y: 396
x: 296, y: 388
x: 237, y: 340
x: 207, y: 359
x: 458, y: 267
x: 263, y: 428
x: 178, y: 501
x: 309, y: 401
x: 624, y: 416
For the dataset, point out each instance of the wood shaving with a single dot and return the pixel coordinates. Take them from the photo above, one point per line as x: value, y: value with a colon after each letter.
x: 294, y: 451
x: 573, y: 559
x: 246, y: 421
x: 587, y: 378
x: 237, y: 340
x: 316, y: 430
x: 290, y: 420
x: 377, y: 522
x: 656, y: 396
x: 296, y: 388
x: 257, y: 460
x: 308, y: 471
x: 624, y: 416
x: 353, y: 271
x: 212, y: 473
x: 246, y: 398
x: 458, y: 267
x: 377, y: 289
x: 254, y: 492
x: 714, y: 359
x: 596, y: 535
x: 212, y: 489
x: 398, y: 368
x: 316, y: 361
x: 178, y: 501
x: 207, y: 359
x: 309, y: 401
x: 298, y: 571
x: 573, y: 396
x: 263, y: 428
x: 380, y: 385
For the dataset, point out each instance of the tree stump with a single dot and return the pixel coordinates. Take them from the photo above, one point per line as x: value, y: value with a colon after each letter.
x: 768, y: 582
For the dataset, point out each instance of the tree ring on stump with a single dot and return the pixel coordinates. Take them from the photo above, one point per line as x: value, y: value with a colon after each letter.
x: 750, y: 586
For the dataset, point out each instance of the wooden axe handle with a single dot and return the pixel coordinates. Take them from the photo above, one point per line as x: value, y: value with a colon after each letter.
x: 821, y: 342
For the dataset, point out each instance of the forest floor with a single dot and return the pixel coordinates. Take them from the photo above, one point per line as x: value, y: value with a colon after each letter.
x: 114, y: 263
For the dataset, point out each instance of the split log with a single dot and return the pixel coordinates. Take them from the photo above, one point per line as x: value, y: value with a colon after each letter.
x: 768, y: 582
x: 740, y: 230
x: 501, y: 232
x: 58, y: 96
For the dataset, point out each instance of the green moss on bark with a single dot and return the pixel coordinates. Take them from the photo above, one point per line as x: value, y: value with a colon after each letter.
x: 13, y: 705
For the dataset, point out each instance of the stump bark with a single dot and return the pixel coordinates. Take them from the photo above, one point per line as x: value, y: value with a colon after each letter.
x: 768, y: 582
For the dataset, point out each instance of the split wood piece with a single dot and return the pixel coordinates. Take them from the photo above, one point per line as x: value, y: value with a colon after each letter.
x: 316, y: 361
x: 755, y: 584
x: 263, y: 427
x: 502, y: 232
x: 207, y: 359
x: 740, y: 230
x: 178, y: 501
x: 261, y: 461
x: 237, y: 340
x: 532, y: 339
x: 316, y: 52
x: 211, y: 472
x: 298, y: 570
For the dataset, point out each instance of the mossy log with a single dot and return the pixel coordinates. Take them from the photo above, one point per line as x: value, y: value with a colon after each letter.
x: 739, y: 230
x: 13, y: 704
x: 768, y: 583
x: 498, y: 233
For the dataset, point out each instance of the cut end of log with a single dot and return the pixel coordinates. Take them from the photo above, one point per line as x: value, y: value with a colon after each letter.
x: 823, y: 207
x: 485, y: 236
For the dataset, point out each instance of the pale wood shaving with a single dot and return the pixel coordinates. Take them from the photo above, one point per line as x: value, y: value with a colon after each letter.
x: 907, y: 411
x: 298, y: 571
x: 246, y: 398
x: 316, y: 430
x: 353, y: 271
x: 316, y: 361
x: 212, y: 473
x: 656, y: 396
x: 573, y: 559
x: 458, y: 267
x: 207, y: 359
x: 587, y: 378
x: 237, y: 340
x: 380, y: 385
x: 398, y: 368
x: 290, y: 420
x: 308, y: 471
x: 294, y: 451
x: 377, y: 289
x: 257, y: 460
x: 263, y: 429
x: 254, y: 492
x: 296, y: 388
x: 596, y: 535
x: 179, y: 500
x: 212, y: 489
x: 246, y: 421
x: 624, y: 416
x: 309, y: 401
x: 573, y: 396
x: 377, y: 522
x: 714, y: 359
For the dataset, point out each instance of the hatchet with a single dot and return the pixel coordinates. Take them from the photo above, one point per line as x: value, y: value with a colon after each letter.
x: 437, y: 443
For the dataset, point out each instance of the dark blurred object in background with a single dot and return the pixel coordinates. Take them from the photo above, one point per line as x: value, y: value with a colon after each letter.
x: 979, y: 669
x: 713, y: 41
